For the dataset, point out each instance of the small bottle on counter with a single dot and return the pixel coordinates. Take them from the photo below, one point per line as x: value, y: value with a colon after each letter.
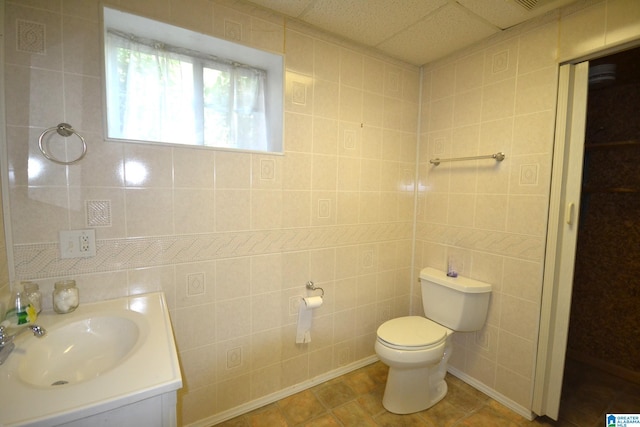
x: 65, y: 296
x: 32, y: 292
x: 22, y: 312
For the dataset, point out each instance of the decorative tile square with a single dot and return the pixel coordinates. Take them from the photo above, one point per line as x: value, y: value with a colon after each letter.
x: 529, y: 174
x: 393, y: 81
x: 98, y: 213
x: 407, y: 177
x: 234, y: 357
x: 367, y: 259
x: 324, y: 208
x: 195, y: 284
x: 299, y: 93
x: 500, y: 62
x: 267, y: 169
x: 232, y: 30
x: 438, y: 145
x: 30, y: 37
x: 349, y: 139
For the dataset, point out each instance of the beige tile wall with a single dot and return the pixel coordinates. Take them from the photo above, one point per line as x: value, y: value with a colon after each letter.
x: 501, y: 96
x: 231, y: 238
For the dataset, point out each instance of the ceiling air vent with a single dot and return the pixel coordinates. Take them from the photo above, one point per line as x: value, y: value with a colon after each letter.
x: 541, y: 6
x: 527, y: 4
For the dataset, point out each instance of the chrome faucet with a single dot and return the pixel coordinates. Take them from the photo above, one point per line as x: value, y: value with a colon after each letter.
x: 6, y: 340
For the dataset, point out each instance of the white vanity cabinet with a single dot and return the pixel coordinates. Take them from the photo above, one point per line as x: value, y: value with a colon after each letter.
x: 109, y: 363
x: 158, y: 411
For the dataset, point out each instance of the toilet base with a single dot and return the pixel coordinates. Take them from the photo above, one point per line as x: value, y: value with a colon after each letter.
x: 414, y: 387
x: 413, y: 390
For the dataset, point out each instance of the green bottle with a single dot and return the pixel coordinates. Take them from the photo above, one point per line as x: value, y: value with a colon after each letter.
x: 21, y: 312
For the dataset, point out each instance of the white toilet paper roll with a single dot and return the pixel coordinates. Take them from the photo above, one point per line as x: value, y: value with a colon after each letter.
x: 313, y: 302
x: 305, y: 314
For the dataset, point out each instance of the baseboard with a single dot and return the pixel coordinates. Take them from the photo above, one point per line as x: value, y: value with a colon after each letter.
x: 274, y: 397
x: 515, y: 407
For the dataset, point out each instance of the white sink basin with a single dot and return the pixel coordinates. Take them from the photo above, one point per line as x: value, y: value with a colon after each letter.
x: 79, y: 351
x: 101, y: 357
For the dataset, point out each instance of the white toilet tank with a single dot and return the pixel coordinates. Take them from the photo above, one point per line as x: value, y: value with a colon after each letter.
x: 458, y: 303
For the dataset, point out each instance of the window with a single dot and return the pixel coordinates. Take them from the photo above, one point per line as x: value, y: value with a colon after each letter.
x: 160, y: 89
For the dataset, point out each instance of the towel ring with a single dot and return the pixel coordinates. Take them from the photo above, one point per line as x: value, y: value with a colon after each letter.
x: 63, y: 129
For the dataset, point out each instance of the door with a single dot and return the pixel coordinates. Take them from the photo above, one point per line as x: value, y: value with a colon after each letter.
x: 561, y: 237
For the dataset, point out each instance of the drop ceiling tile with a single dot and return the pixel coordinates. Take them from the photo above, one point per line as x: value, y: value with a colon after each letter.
x: 507, y: 13
x: 450, y: 29
x: 286, y: 7
x: 501, y: 13
x: 414, y: 31
x: 368, y: 21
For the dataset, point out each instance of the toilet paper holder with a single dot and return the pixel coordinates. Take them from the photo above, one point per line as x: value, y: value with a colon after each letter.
x: 313, y: 287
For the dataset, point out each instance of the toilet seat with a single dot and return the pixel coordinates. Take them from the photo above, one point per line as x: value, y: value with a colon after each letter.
x: 411, y: 333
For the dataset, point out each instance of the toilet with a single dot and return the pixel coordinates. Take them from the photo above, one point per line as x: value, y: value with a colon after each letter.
x: 417, y: 348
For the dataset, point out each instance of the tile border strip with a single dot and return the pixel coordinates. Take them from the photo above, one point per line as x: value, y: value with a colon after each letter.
x: 37, y: 261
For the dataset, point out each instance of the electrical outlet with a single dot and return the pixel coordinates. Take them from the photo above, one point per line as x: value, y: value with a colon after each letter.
x: 77, y: 243
x: 84, y: 243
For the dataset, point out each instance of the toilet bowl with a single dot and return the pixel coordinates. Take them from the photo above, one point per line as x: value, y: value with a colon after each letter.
x: 412, y: 347
x: 417, y: 349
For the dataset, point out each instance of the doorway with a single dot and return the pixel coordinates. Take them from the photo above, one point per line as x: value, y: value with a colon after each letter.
x: 565, y: 207
x: 605, y: 319
x: 603, y: 358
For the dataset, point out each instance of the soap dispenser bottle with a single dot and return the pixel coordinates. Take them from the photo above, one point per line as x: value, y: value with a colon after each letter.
x: 21, y: 312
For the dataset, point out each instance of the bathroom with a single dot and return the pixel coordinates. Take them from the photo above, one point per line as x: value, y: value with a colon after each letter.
x: 232, y: 238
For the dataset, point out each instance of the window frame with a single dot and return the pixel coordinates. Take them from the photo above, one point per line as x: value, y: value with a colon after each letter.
x: 226, y: 50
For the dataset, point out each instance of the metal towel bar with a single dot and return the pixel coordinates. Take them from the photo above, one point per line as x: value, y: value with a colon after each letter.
x: 497, y: 156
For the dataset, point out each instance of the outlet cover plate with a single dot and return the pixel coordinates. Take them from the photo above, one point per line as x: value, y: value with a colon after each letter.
x: 77, y: 243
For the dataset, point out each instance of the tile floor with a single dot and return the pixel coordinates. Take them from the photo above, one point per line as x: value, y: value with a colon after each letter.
x: 588, y: 394
x: 355, y: 399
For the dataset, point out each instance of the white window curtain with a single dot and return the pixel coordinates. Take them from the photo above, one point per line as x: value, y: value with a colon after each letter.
x: 165, y: 94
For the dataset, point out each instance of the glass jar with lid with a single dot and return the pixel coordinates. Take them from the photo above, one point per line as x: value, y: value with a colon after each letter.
x: 66, y: 297
x: 34, y: 297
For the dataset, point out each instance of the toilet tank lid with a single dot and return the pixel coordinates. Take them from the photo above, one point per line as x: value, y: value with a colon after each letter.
x: 460, y: 283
